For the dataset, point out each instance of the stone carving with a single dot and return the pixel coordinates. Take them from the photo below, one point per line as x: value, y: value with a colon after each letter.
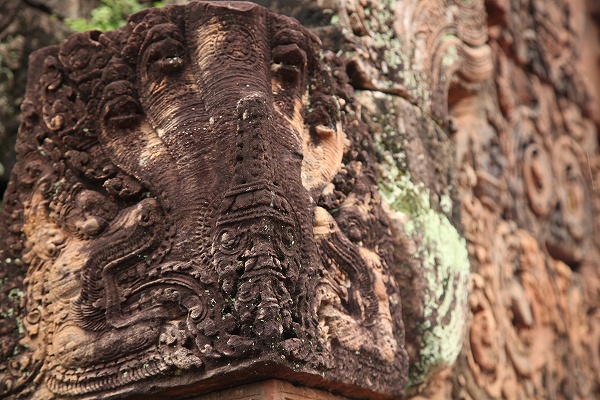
x: 529, y: 222
x: 193, y: 199
x: 152, y: 239
x: 270, y: 390
x: 418, y: 49
x: 412, y: 61
x: 23, y: 28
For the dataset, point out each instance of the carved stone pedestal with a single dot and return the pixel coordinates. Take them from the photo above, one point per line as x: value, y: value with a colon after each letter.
x: 270, y: 390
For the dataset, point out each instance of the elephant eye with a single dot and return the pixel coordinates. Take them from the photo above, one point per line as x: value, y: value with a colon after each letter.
x: 288, y: 68
x: 120, y: 106
x: 171, y: 64
x: 289, y: 55
x: 166, y: 57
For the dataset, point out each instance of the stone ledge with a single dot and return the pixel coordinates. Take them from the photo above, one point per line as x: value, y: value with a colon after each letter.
x: 269, y: 390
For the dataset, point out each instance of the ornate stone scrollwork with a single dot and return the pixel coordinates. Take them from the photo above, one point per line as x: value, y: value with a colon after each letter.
x: 532, y: 320
x: 192, y: 200
x: 538, y: 182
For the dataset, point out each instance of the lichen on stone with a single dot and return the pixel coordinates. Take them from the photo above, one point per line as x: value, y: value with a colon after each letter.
x: 444, y: 259
x: 443, y: 262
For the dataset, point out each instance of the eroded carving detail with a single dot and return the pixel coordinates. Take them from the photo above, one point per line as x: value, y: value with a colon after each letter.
x: 191, y: 195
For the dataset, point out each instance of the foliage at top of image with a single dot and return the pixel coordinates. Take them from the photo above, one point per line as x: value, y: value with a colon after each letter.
x: 112, y: 14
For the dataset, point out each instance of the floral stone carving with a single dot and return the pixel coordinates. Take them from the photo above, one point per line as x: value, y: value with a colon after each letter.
x: 192, y: 201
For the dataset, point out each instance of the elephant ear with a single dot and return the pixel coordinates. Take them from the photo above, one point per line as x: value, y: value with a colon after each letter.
x: 358, y: 301
x: 57, y: 152
x: 299, y: 72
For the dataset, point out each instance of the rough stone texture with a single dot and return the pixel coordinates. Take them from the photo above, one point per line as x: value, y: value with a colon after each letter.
x: 25, y: 26
x: 511, y: 88
x: 23, y: 29
x: 194, y: 202
x: 480, y: 121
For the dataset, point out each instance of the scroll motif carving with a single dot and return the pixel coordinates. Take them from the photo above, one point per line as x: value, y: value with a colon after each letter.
x: 196, y: 198
x: 538, y: 184
x: 192, y: 199
x: 417, y: 49
x: 531, y: 231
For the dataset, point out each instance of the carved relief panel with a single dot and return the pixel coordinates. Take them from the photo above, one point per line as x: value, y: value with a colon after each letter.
x: 193, y: 200
x: 528, y: 162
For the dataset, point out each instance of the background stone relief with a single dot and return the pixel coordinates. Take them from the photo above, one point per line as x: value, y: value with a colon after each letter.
x: 482, y: 118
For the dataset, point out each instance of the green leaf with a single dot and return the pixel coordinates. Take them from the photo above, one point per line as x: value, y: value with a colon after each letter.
x: 112, y: 14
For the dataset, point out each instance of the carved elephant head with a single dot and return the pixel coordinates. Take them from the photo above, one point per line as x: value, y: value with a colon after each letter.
x: 192, y: 200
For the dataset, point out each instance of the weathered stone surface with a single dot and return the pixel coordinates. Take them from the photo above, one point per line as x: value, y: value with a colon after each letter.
x: 194, y: 202
x: 22, y: 29
x: 513, y: 86
x: 479, y: 120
